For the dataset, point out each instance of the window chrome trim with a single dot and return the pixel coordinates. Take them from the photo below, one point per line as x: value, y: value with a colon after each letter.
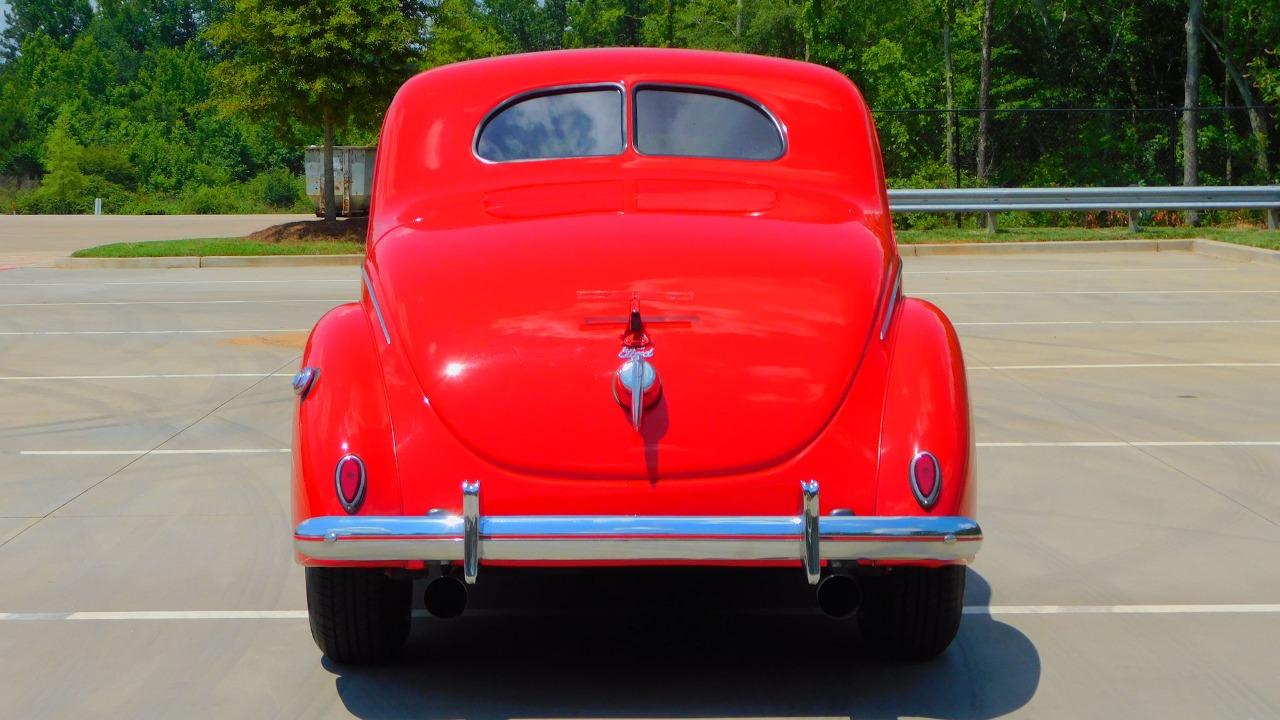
x: 354, y: 505
x: 519, y: 97
x: 709, y: 90
x: 377, y: 307
x: 926, y: 501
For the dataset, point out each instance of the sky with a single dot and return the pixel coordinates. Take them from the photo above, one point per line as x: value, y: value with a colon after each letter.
x: 3, y: 6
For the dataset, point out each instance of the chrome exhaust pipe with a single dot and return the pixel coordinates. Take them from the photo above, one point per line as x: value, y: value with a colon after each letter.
x: 445, y: 597
x: 839, y: 596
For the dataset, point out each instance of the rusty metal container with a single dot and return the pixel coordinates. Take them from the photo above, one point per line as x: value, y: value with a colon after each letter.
x: 352, y: 178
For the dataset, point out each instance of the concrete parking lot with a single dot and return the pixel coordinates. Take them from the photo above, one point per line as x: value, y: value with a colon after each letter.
x: 1128, y: 417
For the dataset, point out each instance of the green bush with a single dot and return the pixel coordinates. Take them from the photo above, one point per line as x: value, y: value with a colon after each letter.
x: 220, y: 200
x: 147, y: 204
x: 277, y: 188
x: 111, y: 164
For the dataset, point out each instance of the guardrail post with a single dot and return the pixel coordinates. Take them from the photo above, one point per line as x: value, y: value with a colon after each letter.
x: 1273, y: 218
x: 991, y: 222
x: 1133, y: 221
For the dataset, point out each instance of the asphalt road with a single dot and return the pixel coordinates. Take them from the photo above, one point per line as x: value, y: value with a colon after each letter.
x: 1128, y: 412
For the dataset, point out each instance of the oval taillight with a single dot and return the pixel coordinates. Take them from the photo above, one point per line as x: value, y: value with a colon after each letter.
x: 349, y: 481
x: 926, y: 479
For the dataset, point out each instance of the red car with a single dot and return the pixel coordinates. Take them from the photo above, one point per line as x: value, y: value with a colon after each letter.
x: 632, y: 308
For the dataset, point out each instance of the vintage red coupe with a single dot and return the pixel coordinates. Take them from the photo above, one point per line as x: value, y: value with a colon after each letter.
x: 632, y: 308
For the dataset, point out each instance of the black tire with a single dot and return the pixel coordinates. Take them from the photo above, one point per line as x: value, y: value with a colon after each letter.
x: 357, y: 615
x: 912, y: 613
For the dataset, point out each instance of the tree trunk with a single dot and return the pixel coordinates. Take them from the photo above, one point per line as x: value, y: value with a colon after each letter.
x: 1190, y: 99
x: 737, y: 25
x: 326, y: 172
x: 1257, y: 121
x: 953, y: 122
x: 948, y: 79
x: 1227, y: 127
x: 984, y: 96
x: 671, y: 23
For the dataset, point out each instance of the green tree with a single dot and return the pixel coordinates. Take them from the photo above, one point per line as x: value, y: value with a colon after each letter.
x: 328, y: 64
x: 64, y: 187
x: 61, y: 20
x: 461, y: 31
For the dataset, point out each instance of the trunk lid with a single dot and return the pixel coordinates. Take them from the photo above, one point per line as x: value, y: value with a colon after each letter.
x: 513, y: 331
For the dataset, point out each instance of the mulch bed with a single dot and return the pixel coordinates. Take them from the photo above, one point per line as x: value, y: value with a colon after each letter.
x: 343, y: 229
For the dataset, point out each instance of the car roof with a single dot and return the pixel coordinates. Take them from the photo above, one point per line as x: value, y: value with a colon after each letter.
x: 426, y: 159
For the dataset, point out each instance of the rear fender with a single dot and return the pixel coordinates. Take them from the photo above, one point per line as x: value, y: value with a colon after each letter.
x: 344, y: 412
x: 926, y: 408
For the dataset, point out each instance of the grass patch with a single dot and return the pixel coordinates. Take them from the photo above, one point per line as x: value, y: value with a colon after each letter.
x: 1240, y: 236
x: 203, y: 247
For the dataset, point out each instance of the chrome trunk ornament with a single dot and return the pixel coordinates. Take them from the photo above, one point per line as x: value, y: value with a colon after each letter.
x: 635, y: 382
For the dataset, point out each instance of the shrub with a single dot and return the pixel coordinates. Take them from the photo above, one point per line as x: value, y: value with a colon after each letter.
x: 111, y: 164
x: 206, y: 200
x: 147, y: 204
x: 277, y: 188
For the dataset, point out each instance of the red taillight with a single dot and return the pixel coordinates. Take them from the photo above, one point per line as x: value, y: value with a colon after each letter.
x: 349, y: 480
x: 926, y: 479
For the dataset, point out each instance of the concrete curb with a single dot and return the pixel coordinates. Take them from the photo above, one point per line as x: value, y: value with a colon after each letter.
x: 1243, y: 253
x: 70, y: 263
x: 1059, y: 246
x: 1212, y: 248
x: 229, y: 261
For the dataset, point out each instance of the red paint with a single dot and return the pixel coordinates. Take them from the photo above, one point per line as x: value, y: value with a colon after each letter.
x: 506, y: 289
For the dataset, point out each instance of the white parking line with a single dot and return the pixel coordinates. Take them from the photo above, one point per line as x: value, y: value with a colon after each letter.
x: 1116, y: 322
x: 1111, y: 366
x: 1063, y: 270
x: 1134, y: 443
x: 152, y: 332
x: 1119, y: 609
x: 23, y: 378
x: 169, y: 615
x: 209, y: 451
x: 1094, y: 292
x: 1032, y: 444
x: 298, y: 281
x: 176, y: 302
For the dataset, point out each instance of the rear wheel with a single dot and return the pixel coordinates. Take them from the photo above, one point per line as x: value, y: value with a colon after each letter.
x: 912, y: 613
x: 358, y: 615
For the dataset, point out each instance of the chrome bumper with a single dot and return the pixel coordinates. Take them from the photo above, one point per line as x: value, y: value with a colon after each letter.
x: 469, y: 538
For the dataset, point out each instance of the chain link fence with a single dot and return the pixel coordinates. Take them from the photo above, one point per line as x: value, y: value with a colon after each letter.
x: 1076, y: 147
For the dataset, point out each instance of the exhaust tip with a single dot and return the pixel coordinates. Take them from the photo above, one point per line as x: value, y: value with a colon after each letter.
x: 445, y: 597
x: 839, y: 596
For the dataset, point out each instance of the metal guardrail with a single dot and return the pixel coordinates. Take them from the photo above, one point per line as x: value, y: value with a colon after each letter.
x: 993, y: 200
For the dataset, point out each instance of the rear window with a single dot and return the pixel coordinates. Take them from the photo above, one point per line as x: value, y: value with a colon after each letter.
x: 559, y: 124
x: 704, y: 123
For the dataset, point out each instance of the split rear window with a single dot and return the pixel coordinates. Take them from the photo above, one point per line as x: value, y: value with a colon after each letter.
x: 666, y: 120
x: 576, y: 123
x: 703, y: 123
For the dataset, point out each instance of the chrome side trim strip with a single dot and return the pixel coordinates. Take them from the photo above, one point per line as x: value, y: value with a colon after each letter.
x: 812, y: 537
x: 470, y: 531
x: 893, y: 299
x: 377, y: 308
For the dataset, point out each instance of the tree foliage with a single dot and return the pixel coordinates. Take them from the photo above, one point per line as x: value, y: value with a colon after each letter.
x: 177, y: 104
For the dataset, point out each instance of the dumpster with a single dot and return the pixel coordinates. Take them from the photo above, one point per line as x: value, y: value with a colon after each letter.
x: 352, y: 178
